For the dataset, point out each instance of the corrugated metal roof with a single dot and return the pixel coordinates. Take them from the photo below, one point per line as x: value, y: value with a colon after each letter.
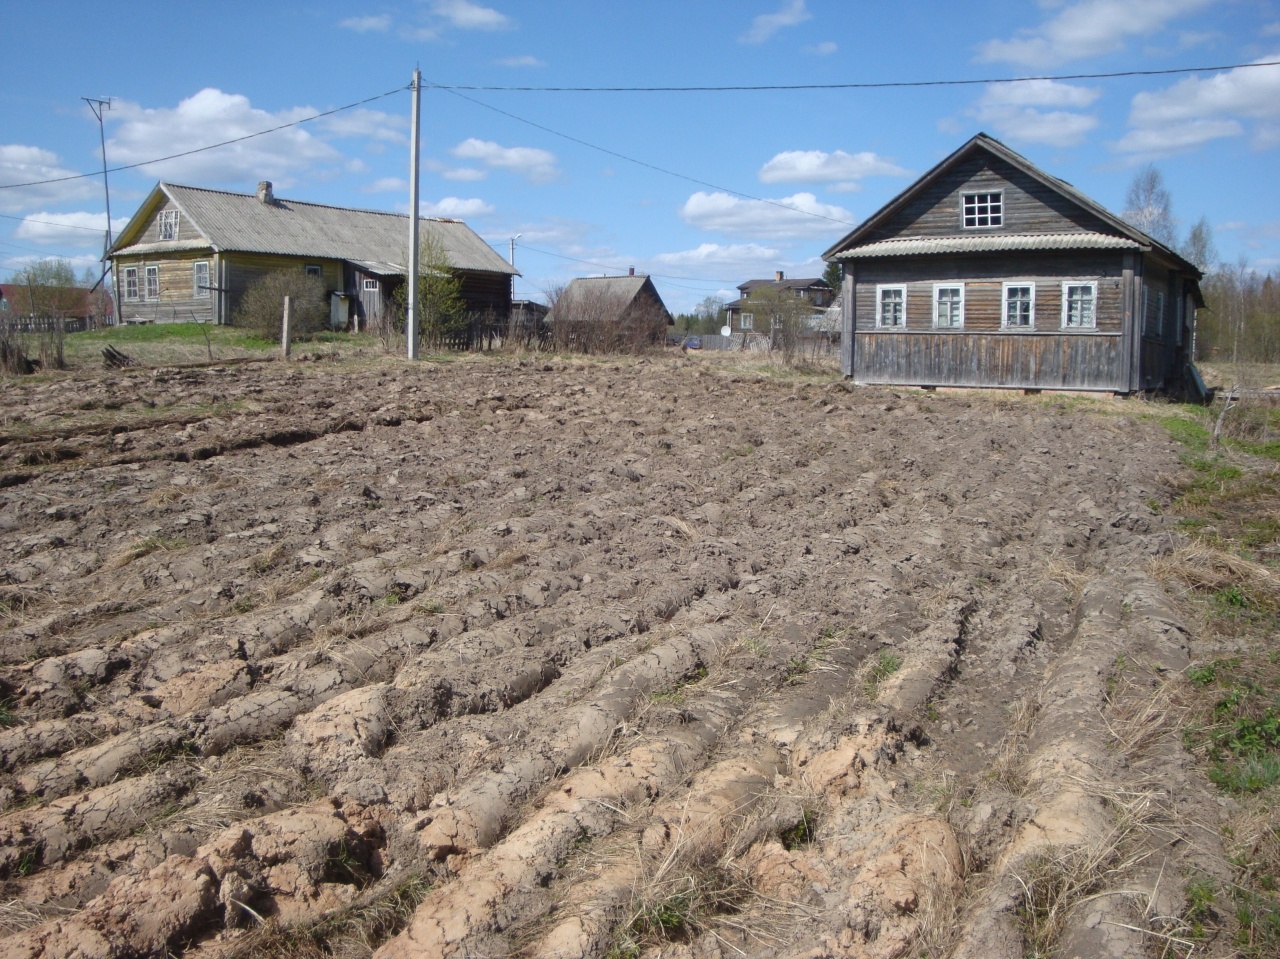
x: 602, y: 297
x: 989, y: 243
x: 243, y: 223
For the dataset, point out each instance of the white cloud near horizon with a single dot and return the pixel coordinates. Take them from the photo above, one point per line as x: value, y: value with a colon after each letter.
x: 374, y: 24
x: 1013, y: 111
x: 27, y: 164
x: 793, y: 217
x: 210, y: 116
x: 1197, y: 110
x: 767, y: 24
x: 532, y: 163
x: 373, y: 125
x: 387, y: 184
x: 840, y: 170
x: 453, y: 207
x: 526, y: 60
x: 68, y: 229
x: 733, y: 258
x: 1087, y: 28
x: 466, y: 15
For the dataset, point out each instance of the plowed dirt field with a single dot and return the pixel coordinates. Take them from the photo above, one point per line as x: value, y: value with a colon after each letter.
x: 567, y: 659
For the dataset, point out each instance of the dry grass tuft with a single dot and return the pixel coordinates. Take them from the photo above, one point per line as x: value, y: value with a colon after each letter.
x: 143, y: 547
x: 1007, y: 769
x: 1202, y: 568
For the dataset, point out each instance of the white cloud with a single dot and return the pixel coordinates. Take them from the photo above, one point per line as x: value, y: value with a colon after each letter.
x: 1011, y: 109
x: 68, y: 229
x: 463, y: 174
x: 369, y: 124
x: 1271, y: 30
x: 211, y: 116
x: 24, y: 164
x: 471, y: 16
x: 387, y: 184
x: 767, y: 24
x: 823, y: 49
x: 791, y: 217
x: 535, y: 165
x: 735, y: 258
x: 527, y: 60
x: 1197, y: 110
x: 841, y: 170
x: 1088, y: 28
x: 454, y: 207
x: 378, y: 24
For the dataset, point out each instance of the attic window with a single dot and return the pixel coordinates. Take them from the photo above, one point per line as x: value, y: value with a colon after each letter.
x: 981, y: 210
x: 167, y: 225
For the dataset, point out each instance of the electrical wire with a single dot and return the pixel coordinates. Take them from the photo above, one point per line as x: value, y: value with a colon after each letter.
x: 211, y: 146
x: 882, y: 85
x: 643, y: 163
x: 61, y: 226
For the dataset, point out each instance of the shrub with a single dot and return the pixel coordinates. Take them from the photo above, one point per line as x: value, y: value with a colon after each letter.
x: 261, y: 308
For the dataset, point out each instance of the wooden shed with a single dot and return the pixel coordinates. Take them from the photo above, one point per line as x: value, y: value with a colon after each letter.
x: 989, y: 272
x: 190, y: 253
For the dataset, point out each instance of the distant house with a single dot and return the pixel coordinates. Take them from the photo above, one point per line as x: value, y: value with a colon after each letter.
x: 191, y: 253
x: 603, y: 313
x: 78, y: 308
x: 744, y: 317
x: 987, y: 271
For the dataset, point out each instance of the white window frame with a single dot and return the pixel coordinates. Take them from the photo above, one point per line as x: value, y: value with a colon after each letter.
x: 881, y: 290
x: 200, y: 290
x: 994, y: 220
x: 370, y: 285
x: 167, y: 225
x: 151, y: 275
x: 747, y: 321
x: 131, y: 287
x: 1004, y: 304
x: 937, y: 323
x: 1066, y: 304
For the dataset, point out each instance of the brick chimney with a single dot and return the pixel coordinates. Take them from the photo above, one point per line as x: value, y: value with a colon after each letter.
x: 778, y: 276
x: 631, y: 271
x: 264, y: 193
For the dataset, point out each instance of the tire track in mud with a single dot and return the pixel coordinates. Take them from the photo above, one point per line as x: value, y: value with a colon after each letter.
x: 480, y: 633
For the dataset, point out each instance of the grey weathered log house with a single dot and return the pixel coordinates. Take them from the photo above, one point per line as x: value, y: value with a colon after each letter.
x: 989, y: 272
x: 190, y: 254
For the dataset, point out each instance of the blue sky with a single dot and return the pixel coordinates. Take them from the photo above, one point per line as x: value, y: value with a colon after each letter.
x: 559, y: 168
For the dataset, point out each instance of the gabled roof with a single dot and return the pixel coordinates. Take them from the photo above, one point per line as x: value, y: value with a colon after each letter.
x: 605, y: 297
x: 791, y: 284
x: 241, y: 222
x: 854, y: 244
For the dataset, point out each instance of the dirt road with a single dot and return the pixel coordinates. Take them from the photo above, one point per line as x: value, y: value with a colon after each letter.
x: 564, y: 659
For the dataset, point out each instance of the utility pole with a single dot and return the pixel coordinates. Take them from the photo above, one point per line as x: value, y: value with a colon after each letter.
x: 512, y: 261
x: 411, y: 318
x: 99, y: 106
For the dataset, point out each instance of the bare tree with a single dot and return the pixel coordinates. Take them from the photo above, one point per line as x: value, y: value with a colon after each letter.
x: 1149, y: 207
x: 1199, y: 247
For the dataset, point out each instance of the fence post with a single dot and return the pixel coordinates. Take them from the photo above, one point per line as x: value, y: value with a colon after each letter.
x: 284, y: 331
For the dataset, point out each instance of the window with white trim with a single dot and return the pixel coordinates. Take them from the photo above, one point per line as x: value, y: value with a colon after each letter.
x: 200, y: 280
x: 981, y: 210
x: 167, y: 225
x: 153, y: 283
x: 948, y: 306
x: 370, y: 285
x: 1079, y: 306
x: 891, y: 306
x: 1019, y: 306
x: 130, y: 282
x: 748, y: 321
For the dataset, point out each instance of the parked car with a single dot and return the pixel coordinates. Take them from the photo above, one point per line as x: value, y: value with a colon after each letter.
x: 693, y: 343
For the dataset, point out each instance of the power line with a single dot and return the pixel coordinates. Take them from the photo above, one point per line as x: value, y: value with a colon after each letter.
x: 882, y: 85
x: 211, y: 146
x: 618, y: 269
x: 62, y: 226
x: 643, y: 163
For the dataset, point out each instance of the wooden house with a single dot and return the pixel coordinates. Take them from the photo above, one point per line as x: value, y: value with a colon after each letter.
x: 191, y: 253
x: 989, y: 272
x: 742, y: 318
x: 605, y: 313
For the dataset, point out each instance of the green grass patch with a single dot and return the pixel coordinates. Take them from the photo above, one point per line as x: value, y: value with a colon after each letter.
x: 886, y: 665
